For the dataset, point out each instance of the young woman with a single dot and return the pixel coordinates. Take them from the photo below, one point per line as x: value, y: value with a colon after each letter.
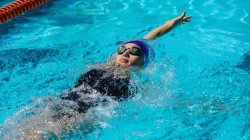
x: 97, y: 86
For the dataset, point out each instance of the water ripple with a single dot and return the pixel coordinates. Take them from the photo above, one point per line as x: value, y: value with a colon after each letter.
x: 142, y: 3
x: 125, y: 6
x: 209, y: 2
x: 191, y: 4
x: 242, y: 19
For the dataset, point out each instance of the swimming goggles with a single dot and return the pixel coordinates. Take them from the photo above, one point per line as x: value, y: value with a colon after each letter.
x: 133, y: 51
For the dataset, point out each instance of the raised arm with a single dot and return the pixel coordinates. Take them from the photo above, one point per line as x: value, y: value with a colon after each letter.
x: 166, y: 27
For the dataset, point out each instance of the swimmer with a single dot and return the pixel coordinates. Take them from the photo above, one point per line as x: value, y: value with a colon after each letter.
x: 97, y: 86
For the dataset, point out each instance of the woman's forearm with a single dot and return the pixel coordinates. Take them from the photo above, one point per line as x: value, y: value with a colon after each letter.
x: 166, y: 27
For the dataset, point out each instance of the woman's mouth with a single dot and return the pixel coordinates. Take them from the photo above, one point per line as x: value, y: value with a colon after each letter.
x: 124, y: 61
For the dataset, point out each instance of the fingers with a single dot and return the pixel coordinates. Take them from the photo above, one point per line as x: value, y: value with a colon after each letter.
x: 188, y: 17
x: 186, y: 20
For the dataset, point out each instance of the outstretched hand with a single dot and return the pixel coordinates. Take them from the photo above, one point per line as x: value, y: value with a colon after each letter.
x: 167, y: 26
x: 183, y: 18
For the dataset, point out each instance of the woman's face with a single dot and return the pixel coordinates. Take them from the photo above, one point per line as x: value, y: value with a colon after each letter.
x: 127, y: 59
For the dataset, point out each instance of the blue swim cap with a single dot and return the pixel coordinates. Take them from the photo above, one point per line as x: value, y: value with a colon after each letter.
x: 145, y: 49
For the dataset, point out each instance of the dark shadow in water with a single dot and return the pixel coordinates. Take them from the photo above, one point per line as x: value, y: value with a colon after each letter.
x: 9, y: 59
x: 245, y: 64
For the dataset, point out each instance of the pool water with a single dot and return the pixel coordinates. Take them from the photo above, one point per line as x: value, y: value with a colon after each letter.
x: 196, y: 88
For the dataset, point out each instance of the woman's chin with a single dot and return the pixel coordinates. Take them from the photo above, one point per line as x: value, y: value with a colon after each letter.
x: 124, y: 65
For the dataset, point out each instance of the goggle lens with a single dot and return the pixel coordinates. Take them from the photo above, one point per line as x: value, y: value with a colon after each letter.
x: 133, y: 51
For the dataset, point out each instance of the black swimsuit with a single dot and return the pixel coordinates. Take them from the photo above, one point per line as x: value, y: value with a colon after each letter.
x: 105, y: 82
x: 102, y: 81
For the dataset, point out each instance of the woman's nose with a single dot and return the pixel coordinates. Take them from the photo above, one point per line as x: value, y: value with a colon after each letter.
x: 126, y: 53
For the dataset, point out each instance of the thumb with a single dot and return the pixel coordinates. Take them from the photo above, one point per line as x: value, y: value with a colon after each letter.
x: 183, y: 14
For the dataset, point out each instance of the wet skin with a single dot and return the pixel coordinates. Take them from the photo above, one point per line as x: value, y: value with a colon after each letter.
x: 127, y: 60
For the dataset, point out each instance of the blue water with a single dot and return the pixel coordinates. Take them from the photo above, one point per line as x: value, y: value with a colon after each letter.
x: 197, y: 88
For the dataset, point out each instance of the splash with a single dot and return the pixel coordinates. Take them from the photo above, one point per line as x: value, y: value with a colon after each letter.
x: 57, y: 118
